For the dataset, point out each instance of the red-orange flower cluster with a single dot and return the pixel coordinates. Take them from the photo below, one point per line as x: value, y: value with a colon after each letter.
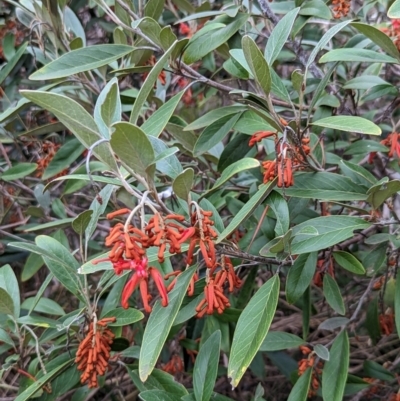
x: 341, y: 8
x: 394, y: 32
x: 49, y: 151
x: 174, y: 366
x: 392, y: 142
x: 386, y: 322
x: 94, y: 351
x: 289, y: 158
x: 323, y: 267
x: 306, y: 363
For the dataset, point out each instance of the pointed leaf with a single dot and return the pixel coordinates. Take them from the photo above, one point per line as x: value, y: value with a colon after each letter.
x: 252, y: 327
x: 6, y: 303
x: 300, y: 275
x: 258, y: 65
x: 160, y: 323
x: 206, y: 367
x: 279, y: 340
x: 322, y: 352
x: 394, y: 10
x: 183, y: 184
x: 335, y: 371
x: 76, y: 119
x: 6, y: 70
x: 85, y: 59
x: 9, y: 282
x: 124, y: 316
x: 333, y: 295
x: 81, y: 221
x: 348, y: 262
x: 300, y: 389
x: 349, y: 124
x: 132, y: 146
x: 280, y: 208
x: 354, y: 55
x: 18, y: 171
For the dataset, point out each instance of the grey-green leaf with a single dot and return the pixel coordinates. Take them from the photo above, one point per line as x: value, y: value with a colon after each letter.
x: 300, y: 389
x: 81, y: 221
x: 333, y: 295
x: 348, y: 262
x: 349, y: 124
x: 183, y: 183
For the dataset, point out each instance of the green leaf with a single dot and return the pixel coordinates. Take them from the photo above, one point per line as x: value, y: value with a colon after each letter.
x: 201, y: 45
x: 258, y: 65
x: 335, y: 371
x: 349, y: 124
x: 300, y: 275
x: 244, y: 164
x: 6, y: 302
x: 6, y: 70
x: 281, y: 211
x: 108, y: 108
x: 156, y: 123
x: 330, y: 33
x: 38, y: 384
x: 18, y: 171
x: 148, y: 85
x: 316, y: 9
x: 154, y: 9
x: 206, y: 367
x: 247, y: 209
x: 44, y: 305
x: 160, y: 323
x: 76, y: 119
x: 158, y: 395
x: 333, y: 295
x: 66, y: 269
x: 132, y: 146
x: 124, y: 316
x: 215, y: 133
x: 252, y: 327
x: 81, y: 221
x: 9, y: 282
x: 356, y: 55
x: 322, y: 352
x: 279, y: 36
x: 64, y: 158
x: 300, y: 389
x: 5, y: 337
x: 81, y: 60
x: 279, y: 340
x: 324, y: 185
x: 394, y: 10
x: 323, y: 232
x: 183, y: 183
x: 397, y: 305
x: 348, y: 262
x: 381, y: 191
x: 213, y: 116
x: 356, y: 173
x: 377, y: 371
x: 364, y: 82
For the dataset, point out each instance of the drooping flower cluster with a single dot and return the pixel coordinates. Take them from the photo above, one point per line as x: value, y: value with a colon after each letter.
x: 392, y: 141
x: 174, y: 366
x: 94, y: 351
x: 340, y: 8
x: 393, y: 31
x: 289, y: 158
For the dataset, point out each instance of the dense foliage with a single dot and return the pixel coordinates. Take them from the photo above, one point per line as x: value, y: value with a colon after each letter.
x: 199, y: 200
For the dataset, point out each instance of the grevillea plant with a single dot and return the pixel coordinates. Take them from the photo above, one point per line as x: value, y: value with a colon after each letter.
x: 199, y: 200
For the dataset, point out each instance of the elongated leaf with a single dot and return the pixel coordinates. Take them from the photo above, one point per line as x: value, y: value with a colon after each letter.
x: 300, y: 389
x: 147, y: 87
x: 333, y: 295
x: 206, y: 367
x: 67, y: 271
x: 158, y: 395
x: 279, y: 36
x: 154, y: 9
x: 354, y: 55
x: 280, y: 208
x: 252, y: 327
x: 258, y: 65
x: 349, y: 124
x: 76, y: 119
x: 18, y: 171
x: 5, y: 71
x: 9, y: 282
x: 183, y: 183
x: 247, y: 209
x: 5, y: 337
x: 334, y: 374
x: 323, y: 232
x: 81, y: 221
x: 279, y: 340
x: 155, y: 125
x: 38, y: 384
x: 348, y: 262
x: 381, y: 191
x: 300, y: 276
x: 108, y: 108
x: 394, y: 10
x: 159, y: 324
x: 233, y: 169
x: 85, y: 59
x: 317, y: 9
x: 357, y: 174
x: 324, y: 185
x: 124, y: 316
x: 214, y: 134
x: 6, y: 302
x: 201, y: 45
x: 132, y: 146
x: 325, y: 40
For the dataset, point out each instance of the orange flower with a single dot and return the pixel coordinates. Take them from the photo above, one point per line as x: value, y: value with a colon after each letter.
x: 259, y: 135
x: 341, y: 8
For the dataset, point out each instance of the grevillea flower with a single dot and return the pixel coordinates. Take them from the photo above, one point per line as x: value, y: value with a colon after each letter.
x: 309, y: 362
x: 386, y: 322
x: 94, y: 351
x: 174, y: 366
x: 214, y: 300
x: 392, y: 142
x: 341, y: 8
x: 259, y: 135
